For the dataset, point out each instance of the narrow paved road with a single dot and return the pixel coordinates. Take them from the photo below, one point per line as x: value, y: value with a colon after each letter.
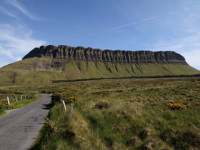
x: 19, y: 128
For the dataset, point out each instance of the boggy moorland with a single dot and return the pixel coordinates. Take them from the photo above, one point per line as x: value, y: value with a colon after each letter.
x: 119, y: 114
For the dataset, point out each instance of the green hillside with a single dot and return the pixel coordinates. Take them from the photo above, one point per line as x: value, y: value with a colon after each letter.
x: 40, y: 70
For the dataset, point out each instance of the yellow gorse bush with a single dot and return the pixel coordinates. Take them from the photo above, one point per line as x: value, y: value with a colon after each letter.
x: 70, y: 99
x: 62, y: 95
x: 176, y: 106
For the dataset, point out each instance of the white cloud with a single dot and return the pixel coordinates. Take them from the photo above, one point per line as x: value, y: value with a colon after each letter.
x: 22, y: 9
x: 15, y: 41
x: 187, y: 46
x: 193, y: 58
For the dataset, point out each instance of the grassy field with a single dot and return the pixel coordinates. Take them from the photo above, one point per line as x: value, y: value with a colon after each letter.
x: 125, y: 114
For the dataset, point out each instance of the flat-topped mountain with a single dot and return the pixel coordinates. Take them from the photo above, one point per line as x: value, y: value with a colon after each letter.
x: 48, y: 63
x: 117, y: 56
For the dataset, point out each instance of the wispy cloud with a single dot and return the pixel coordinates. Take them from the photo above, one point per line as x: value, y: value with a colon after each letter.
x: 7, y: 12
x: 149, y: 19
x: 133, y: 23
x: 123, y: 26
x: 22, y: 9
x: 153, y: 17
x: 15, y: 42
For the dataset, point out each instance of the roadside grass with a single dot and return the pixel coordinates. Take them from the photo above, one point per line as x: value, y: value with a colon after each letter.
x: 18, y: 97
x: 125, y: 114
x: 2, y: 112
x: 61, y: 133
x: 23, y: 103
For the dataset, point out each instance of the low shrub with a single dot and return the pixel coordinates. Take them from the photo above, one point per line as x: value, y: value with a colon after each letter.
x: 69, y: 135
x: 51, y: 126
x: 144, y: 134
x: 176, y: 106
x: 102, y: 105
x: 56, y: 97
x: 3, y: 104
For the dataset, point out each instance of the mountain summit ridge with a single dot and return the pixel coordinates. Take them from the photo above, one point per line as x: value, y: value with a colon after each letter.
x: 114, y: 56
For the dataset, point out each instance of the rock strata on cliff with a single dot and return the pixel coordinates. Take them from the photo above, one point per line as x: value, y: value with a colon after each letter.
x: 113, y: 56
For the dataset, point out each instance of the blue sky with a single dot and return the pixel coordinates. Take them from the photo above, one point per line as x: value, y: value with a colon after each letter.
x: 105, y: 24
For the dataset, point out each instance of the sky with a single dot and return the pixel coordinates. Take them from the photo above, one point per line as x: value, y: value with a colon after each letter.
x: 106, y: 24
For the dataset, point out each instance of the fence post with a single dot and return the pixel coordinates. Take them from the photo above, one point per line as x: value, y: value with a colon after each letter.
x: 71, y: 110
x: 15, y: 98
x: 8, y: 101
x: 64, y: 104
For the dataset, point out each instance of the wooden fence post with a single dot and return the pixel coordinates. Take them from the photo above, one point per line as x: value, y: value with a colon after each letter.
x: 8, y: 101
x: 64, y: 104
x: 71, y: 110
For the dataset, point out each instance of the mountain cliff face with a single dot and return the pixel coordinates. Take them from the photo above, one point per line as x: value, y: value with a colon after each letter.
x: 47, y: 63
x: 117, y: 56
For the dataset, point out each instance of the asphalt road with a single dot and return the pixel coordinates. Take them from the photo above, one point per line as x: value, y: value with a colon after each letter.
x: 19, y: 128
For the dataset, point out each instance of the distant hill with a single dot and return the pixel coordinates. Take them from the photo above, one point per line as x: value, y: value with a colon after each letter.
x: 47, y: 63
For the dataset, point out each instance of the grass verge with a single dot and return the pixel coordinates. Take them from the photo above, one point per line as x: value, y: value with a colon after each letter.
x: 16, y: 104
x: 23, y: 103
x: 2, y: 112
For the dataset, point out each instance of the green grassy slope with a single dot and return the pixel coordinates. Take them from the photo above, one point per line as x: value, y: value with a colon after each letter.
x: 40, y: 70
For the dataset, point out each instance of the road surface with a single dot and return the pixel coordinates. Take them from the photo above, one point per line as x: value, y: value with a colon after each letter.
x: 19, y: 128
